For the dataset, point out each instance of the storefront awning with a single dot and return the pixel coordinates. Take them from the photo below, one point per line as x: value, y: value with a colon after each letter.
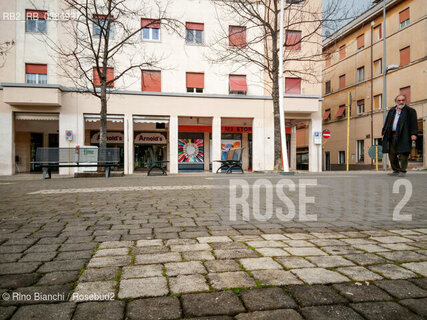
x: 97, y: 117
x: 36, y: 116
x: 148, y: 119
x: 340, y: 112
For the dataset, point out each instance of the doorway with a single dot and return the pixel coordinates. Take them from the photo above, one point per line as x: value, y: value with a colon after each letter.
x: 36, y: 141
x: 327, y: 161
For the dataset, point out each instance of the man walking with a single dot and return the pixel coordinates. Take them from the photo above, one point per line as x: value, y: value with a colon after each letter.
x: 400, y: 129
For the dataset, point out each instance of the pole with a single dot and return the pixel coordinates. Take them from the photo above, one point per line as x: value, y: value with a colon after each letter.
x: 348, y: 131
x: 376, y: 157
x: 372, y: 86
x: 281, y: 109
x: 384, y: 75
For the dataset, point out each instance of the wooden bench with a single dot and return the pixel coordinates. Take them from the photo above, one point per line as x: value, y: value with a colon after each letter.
x: 48, y: 158
x: 233, y: 160
x: 156, y: 164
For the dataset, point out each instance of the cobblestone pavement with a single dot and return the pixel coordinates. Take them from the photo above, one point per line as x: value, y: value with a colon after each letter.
x: 165, y: 248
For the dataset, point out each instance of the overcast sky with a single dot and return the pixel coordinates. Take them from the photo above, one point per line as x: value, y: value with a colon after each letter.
x: 346, y: 8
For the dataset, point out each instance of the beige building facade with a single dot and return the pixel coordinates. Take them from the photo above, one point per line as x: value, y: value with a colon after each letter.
x: 354, y: 65
x: 38, y: 105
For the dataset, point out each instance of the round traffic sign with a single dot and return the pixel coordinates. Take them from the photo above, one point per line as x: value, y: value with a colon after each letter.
x: 326, y: 134
x: 372, y: 152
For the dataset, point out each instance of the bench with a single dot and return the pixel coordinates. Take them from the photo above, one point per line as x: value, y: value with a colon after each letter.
x: 232, y: 160
x: 156, y: 164
x: 48, y: 158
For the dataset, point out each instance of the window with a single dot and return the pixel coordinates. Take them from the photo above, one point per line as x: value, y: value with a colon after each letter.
x: 195, y: 82
x: 378, y: 66
x: 341, y: 111
x: 360, y: 150
x: 378, y: 142
x: 150, y: 29
x: 328, y: 59
x: 327, y: 115
x: 406, y: 91
x: 294, y: 1
x: 341, y: 157
x: 293, y: 40
x: 404, y: 18
x: 361, y: 41
x: 237, y: 84
x: 293, y: 85
x: 102, y: 23
x: 35, y: 21
x: 360, y: 74
x: 151, y: 81
x: 342, y: 81
x: 360, y: 106
x: 378, y: 101
x: 378, y: 32
x: 342, y: 52
x: 97, y: 80
x: 237, y: 36
x: 328, y: 86
x: 194, y: 33
x: 36, y: 73
x: 405, y: 56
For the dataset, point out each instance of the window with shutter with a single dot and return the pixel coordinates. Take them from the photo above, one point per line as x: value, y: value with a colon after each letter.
x: 293, y: 40
x: 237, y: 36
x: 151, y: 80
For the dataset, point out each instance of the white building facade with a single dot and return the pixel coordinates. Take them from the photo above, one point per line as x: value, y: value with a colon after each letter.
x: 186, y: 110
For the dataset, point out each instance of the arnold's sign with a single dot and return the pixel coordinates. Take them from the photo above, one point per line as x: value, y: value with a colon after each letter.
x: 150, y: 138
x: 112, y: 137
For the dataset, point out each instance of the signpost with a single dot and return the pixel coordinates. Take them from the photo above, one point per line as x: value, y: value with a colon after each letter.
x: 376, y: 152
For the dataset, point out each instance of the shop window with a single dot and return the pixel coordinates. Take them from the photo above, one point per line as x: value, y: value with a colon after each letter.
x: 404, y: 18
x: 195, y: 82
x: 150, y: 29
x: 328, y: 86
x: 293, y: 85
x: 35, y: 73
x: 360, y: 74
x: 237, y: 36
x: 194, y: 33
x: 342, y: 81
x: 97, y: 80
x: 378, y: 100
x: 378, y: 35
x: 341, y: 157
x: 361, y: 41
x: 102, y: 23
x: 342, y: 52
x: 35, y: 21
x: 293, y: 40
x: 360, y: 106
x: 405, y: 56
x: 360, y: 150
x: 406, y: 91
x: 238, y: 84
x: 151, y: 81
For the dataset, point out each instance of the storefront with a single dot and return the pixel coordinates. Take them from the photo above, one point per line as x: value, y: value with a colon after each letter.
x: 148, y: 145
x: 114, y: 140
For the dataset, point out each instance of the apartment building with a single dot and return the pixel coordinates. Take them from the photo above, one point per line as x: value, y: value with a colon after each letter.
x: 354, y: 64
x: 186, y: 110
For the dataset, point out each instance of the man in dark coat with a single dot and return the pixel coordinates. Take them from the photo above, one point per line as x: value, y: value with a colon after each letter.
x: 400, y: 129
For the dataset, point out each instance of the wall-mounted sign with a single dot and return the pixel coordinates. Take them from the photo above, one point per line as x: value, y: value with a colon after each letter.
x: 317, y: 137
x: 150, y: 138
x: 112, y: 137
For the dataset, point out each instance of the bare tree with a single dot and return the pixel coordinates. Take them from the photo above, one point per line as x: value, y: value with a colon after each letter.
x: 261, y: 21
x: 101, y: 42
x: 5, y: 47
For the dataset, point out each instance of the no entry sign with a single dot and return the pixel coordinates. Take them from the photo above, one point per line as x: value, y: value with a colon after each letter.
x: 326, y: 134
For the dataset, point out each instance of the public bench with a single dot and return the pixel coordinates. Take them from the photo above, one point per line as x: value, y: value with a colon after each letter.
x: 232, y: 160
x: 156, y: 164
x: 48, y: 158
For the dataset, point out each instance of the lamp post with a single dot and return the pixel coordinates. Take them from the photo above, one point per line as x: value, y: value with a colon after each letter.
x: 384, y: 75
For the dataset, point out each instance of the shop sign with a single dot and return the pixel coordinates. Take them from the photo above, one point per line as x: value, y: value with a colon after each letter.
x: 150, y: 138
x: 112, y: 137
x: 237, y: 129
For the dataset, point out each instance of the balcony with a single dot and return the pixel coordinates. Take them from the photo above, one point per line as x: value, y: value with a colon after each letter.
x: 16, y: 94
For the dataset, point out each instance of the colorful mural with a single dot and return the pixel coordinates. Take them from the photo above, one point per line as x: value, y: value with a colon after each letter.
x: 226, y: 145
x: 190, y: 151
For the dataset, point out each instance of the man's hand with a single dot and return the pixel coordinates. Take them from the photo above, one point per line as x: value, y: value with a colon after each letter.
x: 413, y: 137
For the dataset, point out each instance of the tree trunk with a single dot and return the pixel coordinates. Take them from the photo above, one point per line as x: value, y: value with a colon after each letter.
x: 275, y: 96
x: 103, y: 115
